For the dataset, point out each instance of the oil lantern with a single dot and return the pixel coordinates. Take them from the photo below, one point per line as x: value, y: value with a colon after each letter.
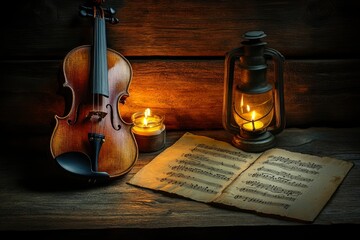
x: 253, y: 107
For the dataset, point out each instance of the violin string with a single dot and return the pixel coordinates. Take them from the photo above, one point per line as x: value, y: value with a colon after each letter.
x: 102, y: 69
x: 94, y: 73
x: 103, y: 66
x: 98, y: 80
x: 95, y: 69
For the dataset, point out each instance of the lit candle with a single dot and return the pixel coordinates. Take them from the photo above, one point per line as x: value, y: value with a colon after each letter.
x: 253, y: 125
x: 149, y: 130
x: 147, y: 124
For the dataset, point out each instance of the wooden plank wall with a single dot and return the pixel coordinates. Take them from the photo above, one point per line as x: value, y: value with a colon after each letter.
x: 176, y: 49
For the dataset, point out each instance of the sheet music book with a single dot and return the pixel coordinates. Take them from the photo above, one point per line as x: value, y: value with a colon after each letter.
x: 276, y: 181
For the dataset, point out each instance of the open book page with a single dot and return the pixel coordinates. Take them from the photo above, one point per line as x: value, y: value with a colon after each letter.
x: 195, y: 167
x: 288, y: 184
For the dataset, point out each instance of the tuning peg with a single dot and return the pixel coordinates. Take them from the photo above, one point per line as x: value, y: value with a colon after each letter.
x: 112, y: 20
x: 110, y: 10
x: 83, y: 7
x: 84, y: 13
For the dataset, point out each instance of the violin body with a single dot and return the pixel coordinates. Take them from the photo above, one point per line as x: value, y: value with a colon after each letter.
x: 93, y: 129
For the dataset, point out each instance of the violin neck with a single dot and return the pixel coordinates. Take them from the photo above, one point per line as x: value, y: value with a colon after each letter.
x: 100, y: 84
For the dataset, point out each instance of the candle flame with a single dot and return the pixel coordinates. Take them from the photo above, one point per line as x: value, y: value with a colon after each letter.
x: 248, y: 108
x: 147, y: 113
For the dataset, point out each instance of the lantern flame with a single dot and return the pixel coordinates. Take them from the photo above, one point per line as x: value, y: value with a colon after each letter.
x: 253, y: 116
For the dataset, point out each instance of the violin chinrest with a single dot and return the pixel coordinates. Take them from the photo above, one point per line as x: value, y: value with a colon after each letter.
x: 79, y: 164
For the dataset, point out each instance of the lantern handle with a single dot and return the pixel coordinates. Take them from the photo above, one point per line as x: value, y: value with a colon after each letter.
x: 230, y: 58
x: 278, y: 60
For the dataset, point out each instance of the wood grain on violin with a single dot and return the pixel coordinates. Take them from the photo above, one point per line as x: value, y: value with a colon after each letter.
x: 93, y: 140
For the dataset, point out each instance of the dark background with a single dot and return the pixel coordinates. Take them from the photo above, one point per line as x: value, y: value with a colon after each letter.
x: 176, y: 50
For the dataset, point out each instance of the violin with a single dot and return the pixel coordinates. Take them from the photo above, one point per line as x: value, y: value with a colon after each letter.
x: 92, y: 141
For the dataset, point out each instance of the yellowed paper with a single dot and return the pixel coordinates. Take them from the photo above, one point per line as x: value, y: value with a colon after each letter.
x: 195, y: 167
x: 278, y: 182
x: 288, y: 184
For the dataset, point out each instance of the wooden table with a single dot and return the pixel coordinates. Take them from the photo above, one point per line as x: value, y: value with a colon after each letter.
x: 119, y: 209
